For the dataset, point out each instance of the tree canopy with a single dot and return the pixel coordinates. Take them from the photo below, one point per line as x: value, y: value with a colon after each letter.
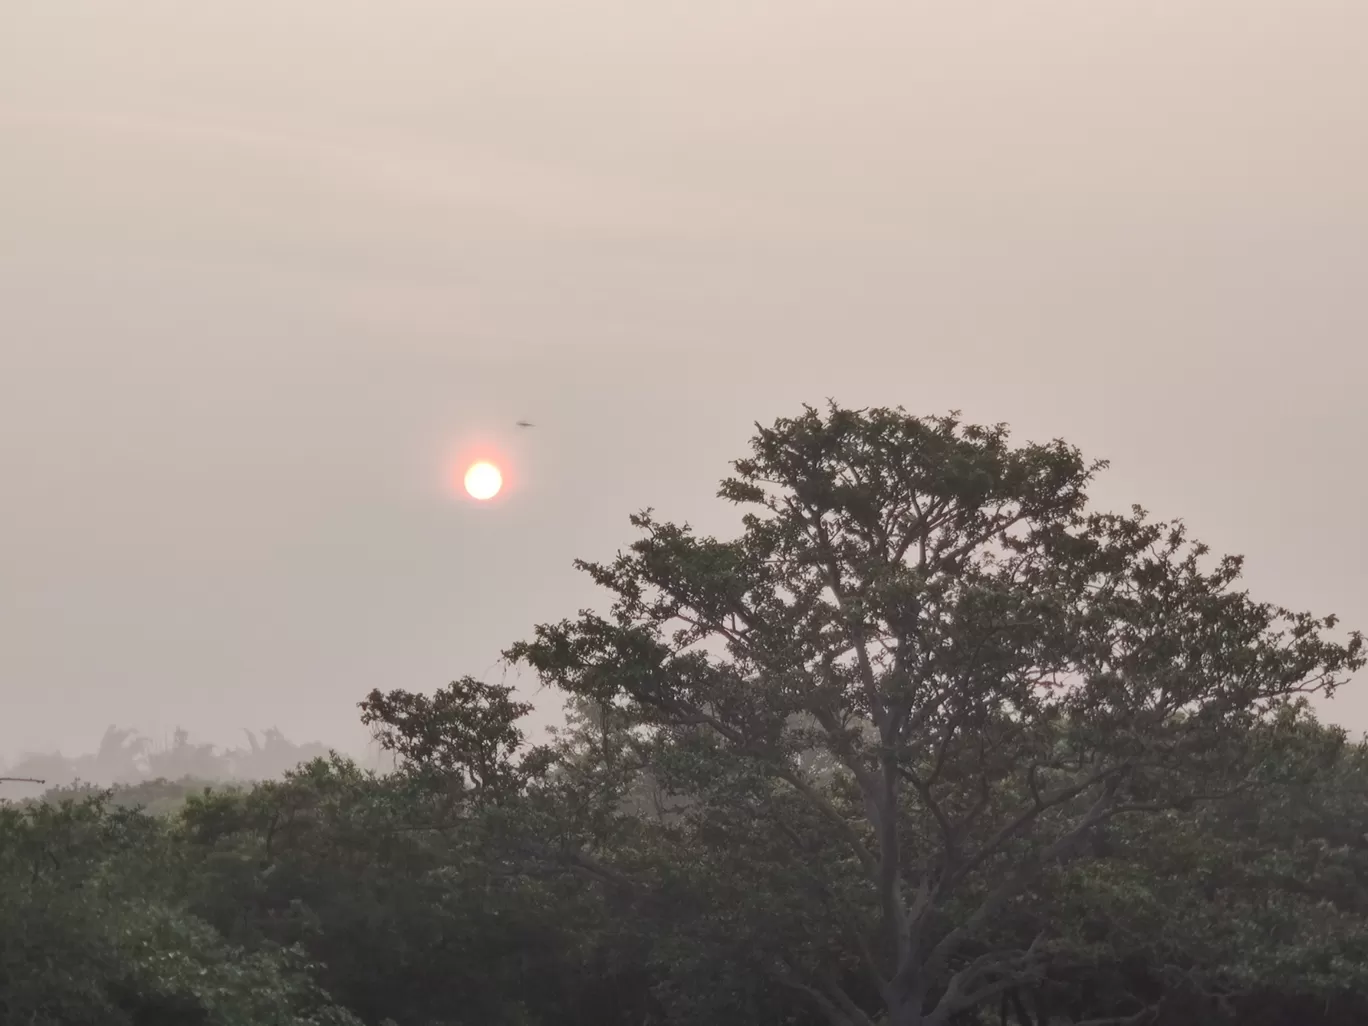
x: 992, y: 672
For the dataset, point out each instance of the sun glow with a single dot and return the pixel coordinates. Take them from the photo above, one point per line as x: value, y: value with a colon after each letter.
x: 483, y: 481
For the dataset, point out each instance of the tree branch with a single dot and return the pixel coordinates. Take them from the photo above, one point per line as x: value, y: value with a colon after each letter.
x: 1012, y: 969
x: 833, y: 1001
x: 793, y: 779
x: 1039, y: 804
x: 933, y: 964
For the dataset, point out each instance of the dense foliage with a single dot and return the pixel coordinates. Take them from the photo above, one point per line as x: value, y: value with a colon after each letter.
x: 929, y: 742
x: 95, y: 930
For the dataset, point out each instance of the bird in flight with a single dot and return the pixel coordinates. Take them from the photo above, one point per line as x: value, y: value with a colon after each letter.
x: 525, y: 424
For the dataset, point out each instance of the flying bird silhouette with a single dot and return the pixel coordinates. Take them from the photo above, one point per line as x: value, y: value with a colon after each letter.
x: 525, y: 424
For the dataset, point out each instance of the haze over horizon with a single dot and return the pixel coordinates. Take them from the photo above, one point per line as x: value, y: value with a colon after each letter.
x: 267, y: 268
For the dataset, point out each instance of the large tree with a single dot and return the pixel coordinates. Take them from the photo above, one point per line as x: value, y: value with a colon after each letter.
x: 923, y: 677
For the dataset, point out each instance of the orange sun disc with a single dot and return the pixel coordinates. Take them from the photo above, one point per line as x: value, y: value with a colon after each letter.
x: 483, y: 481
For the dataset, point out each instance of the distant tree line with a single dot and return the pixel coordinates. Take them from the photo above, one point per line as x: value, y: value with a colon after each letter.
x: 125, y: 757
x: 929, y: 744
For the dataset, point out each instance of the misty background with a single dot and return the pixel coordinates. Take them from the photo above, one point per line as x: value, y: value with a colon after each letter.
x: 268, y: 268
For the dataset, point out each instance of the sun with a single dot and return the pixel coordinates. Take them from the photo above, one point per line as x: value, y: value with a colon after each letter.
x: 483, y: 481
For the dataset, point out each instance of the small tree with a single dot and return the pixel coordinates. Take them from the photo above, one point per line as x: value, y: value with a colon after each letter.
x: 995, y: 672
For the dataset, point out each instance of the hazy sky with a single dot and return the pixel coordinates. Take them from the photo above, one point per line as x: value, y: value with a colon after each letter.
x: 266, y: 267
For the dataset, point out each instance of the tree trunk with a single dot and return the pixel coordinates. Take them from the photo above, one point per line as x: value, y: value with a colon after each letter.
x: 907, y: 1013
